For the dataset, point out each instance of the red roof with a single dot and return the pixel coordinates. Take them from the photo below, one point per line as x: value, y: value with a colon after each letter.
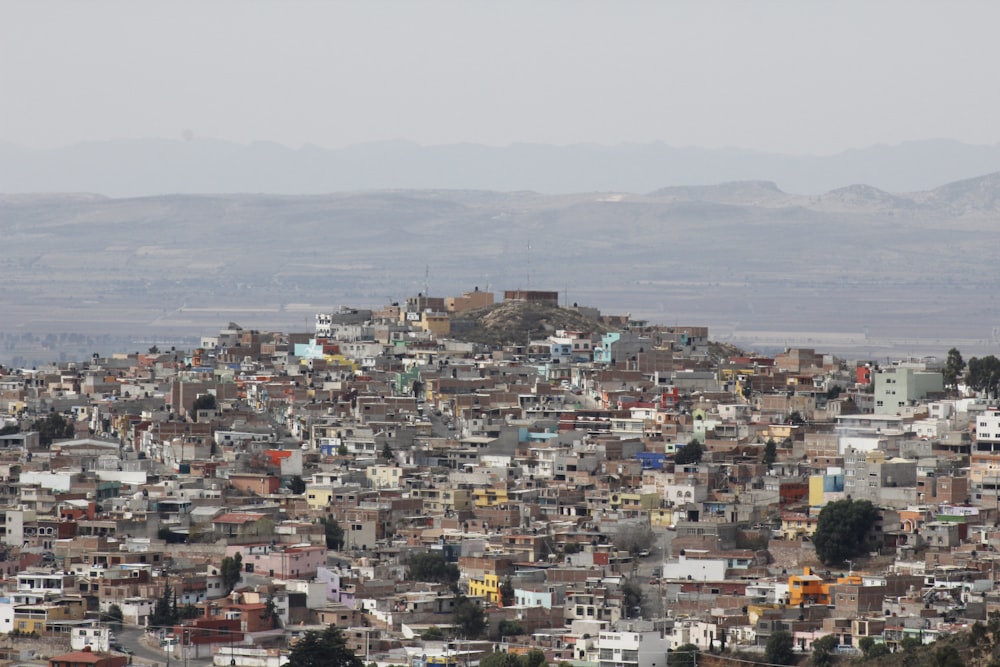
x: 82, y: 656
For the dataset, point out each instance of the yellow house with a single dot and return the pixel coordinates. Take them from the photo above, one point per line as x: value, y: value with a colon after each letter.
x: 797, y: 524
x: 634, y: 501
x: 46, y: 617
x: 384, y: 477
x: 438, y: 324
x: 490, y: 497
x: 487, y: 588
x: 443, y: 499
x: 318, y: 497
x: 662, y: 517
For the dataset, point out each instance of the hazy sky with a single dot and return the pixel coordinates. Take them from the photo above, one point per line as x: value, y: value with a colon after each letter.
x: 792, y: 76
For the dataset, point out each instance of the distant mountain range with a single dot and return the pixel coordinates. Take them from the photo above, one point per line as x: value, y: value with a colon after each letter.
x: 125, y: 168
x: 857, y: 267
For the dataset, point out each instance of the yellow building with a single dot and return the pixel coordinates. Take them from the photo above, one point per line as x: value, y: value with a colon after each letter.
x: 634, y: 501
x: 384, y: 477
x: 797, y: 524
x: 662, y: 517
x: 49, y: 617
x: 318, y: 497
x: 487, y: 588
x: 443, y: 499
x: 490, y: 497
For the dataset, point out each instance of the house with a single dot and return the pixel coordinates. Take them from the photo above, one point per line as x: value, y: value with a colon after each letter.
x: 87, y: 658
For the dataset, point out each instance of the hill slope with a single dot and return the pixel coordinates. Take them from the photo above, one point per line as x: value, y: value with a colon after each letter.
x: 512, y: 323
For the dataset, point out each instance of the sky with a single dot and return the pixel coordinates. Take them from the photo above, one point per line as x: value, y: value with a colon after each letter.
x: 793, y: 77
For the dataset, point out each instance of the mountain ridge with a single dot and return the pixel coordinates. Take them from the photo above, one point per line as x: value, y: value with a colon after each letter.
x: 140, y: 167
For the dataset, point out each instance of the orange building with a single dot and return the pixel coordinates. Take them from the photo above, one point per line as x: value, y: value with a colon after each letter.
x: 814, y: 589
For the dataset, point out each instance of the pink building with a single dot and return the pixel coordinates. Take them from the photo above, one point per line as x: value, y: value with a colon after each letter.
x: 284, y: 562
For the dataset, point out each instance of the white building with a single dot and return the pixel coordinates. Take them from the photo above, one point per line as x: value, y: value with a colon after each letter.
x: 696, y: 569
x: 640, y: 648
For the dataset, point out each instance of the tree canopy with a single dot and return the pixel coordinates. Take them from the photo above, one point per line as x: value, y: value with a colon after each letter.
x: 632, y: 599
x: 984, y: 375
x: 230, y: 570
x: 954, y: 367
x: 432, y: 566
x: 823, y: 649
x: 634, y: 538
x: 779, y: 649
x: 323, y: 649
x: 689, y: 453
x: 770, y: 453
x: 685, y: 655
x: 469, y: 618
x: 297, y: 485
x: 334, y: 533
x: 506, y: 592
x: 53, y: 427
x: 843, y: 530
x: 500, y: 659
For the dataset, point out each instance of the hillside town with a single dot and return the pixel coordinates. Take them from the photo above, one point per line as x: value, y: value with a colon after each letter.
x: 607, y: 497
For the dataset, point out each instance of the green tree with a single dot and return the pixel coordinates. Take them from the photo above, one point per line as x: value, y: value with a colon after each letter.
x: 984, y: 375
x: 204, y: 402
x: 230, y: 570
x: 689, y: 453
x: 823, y: 648
x: 500, y: 659
x: 796, y: 418
x: 270, y: 613
x: 163, y: 609
x: 506, y: 592
x: 432, y: 634
x: 509, y: 629
x: 323, y: 649
x: 877, y: 651
x: 53, y: 427
x: 387, y: 452
x: 114, y: 615
x: 954, y: 367
x: 341, y: 449
x: 468, y: 617
x: 297, y: 485
x: 533, y: 658
x: 634, y: 539
x: 770, y: 453
x: 779, y: 649
x: 843, y: 530
x: 632, y: 598
x: 685, y: 655
x: 947, y: 656
x: 333, y: 532
x: 432, y: 566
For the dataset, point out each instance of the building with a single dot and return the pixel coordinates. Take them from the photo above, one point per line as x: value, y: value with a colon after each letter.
x: 87, y: 658
x: 532, y: 296
x: 898, y: 388
x: 468, y: 301
x: 633, y: 648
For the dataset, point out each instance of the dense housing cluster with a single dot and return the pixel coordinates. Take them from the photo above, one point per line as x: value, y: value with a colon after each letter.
x: 599, y: 496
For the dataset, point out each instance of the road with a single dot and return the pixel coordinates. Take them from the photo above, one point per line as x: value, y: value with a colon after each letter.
x: 143, y: 654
